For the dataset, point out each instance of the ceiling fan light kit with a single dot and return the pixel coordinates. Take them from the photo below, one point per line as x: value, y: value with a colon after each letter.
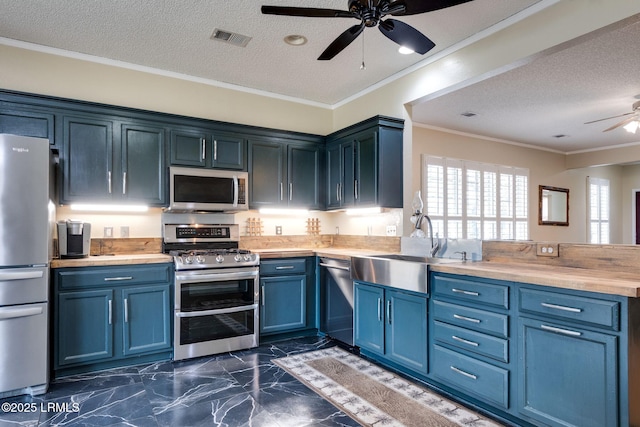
x: 371, y: 14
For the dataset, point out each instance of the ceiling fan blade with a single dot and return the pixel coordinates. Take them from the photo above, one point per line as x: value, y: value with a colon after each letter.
x: 622, y: 123
x: 413, y: 7
x: 608, y: 118
x: 310, y: 12
x: 341, y: 42
x: 405, y: 35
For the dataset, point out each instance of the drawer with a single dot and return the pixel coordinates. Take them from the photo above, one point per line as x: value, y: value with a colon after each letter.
x: 84, y: 277
x: 482, y: 380
x: 483, y: 344
x: 283, y: 266
x: 471, y: 290
x: 471, y: 318
x: 574, y: 308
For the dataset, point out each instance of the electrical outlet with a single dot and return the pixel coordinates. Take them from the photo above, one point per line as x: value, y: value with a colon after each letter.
x: 278, y: 230
x: 548, y: 249
x: 391, y: 230
x: 108, y: 232
x: 124, y: 231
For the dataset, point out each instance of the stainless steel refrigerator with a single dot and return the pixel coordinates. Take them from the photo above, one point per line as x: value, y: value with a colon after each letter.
x: 26, y: 218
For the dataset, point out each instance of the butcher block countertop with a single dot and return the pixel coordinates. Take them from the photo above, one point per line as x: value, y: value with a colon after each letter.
x: 582, y: 279
x: 105, y: 260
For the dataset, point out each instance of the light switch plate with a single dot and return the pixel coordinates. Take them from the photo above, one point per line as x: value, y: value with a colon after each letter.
x: 548, y: 249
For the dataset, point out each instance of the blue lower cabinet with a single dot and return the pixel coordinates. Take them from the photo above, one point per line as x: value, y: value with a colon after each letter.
x: 283, y: 303
x: 567, y: 375
x: 84, y: 330
x: 105, y: 317
x: 392, y: 324
x: 146, y: 319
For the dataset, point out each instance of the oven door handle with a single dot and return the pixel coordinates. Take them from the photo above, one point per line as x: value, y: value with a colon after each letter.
x: 214, y: 312
x: 196, y: 277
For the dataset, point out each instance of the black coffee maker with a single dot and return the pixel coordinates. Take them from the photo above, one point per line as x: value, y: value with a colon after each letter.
x: 74, y: 239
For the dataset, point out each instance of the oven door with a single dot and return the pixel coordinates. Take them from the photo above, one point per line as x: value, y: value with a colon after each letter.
x: 215, y: 311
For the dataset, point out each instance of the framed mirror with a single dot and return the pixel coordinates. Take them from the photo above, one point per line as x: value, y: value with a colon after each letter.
x: 553, y: 206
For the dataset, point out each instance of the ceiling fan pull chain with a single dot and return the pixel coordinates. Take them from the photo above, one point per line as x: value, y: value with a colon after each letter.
x: 362, y: 66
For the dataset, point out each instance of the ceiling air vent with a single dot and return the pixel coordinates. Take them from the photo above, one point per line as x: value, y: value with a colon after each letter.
x: 468, y: 114
x: 231, y: 38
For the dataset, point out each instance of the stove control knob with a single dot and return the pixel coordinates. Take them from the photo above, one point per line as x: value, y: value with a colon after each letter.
x: 188, y: 259
x: 219, y: 258
x: 238, y: 258
x: 200, y: 259
x: 248, y: 257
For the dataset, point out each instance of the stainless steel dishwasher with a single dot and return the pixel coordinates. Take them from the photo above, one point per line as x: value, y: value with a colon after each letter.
x: 336, y: 299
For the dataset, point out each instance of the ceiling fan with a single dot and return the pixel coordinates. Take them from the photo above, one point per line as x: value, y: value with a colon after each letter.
x: 634, y: 117
x: 370, y: 14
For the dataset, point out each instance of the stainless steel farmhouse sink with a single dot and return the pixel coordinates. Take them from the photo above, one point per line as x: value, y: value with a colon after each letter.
x: 406, y: 272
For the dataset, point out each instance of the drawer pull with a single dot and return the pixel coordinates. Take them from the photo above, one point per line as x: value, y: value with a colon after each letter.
x: 466, y: 374
x: 561, y: 307
x: 462, y: 340
x: 462, y: 291
x: 468, y: 319
x: 117, y: 279
x: 561, y: 331
x: 285, y: 267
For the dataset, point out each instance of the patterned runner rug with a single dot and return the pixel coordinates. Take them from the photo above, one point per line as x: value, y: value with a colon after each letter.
x: 373, y: 396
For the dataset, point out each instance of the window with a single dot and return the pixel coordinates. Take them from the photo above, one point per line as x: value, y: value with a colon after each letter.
x: 598, y: 210
x: 471, y: 200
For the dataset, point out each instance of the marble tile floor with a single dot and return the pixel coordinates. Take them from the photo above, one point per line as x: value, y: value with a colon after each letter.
x: 241, y: 388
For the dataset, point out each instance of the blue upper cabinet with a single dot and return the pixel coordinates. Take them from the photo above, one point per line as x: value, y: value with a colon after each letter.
x: 22, y: 120
x: 364, y: 165
x: 207, y: 148
x: 106, y: 160
x: 285, y: 174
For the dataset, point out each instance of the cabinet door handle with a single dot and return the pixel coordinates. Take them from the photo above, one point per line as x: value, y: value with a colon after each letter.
x: 561, y: 307
x: 561, y: 330
x: 389, y: 311
x: 204, y: 153
x: 355, y: 189
x: 285, y: 267
x: 117, y: 279
x: 291, y: 191
x: 215, y: 149
x: 281, y: 192
x: 379, y: 310
x: 124, y: 183
x: 263, y: 297
x: 337, y: 192
x: 462, y: 340
x: 110, y: 311
x: 465, y: 318
x: 126, y: 310
x: 466, y: 374
x: 109, y: 180
x: 462, y: 291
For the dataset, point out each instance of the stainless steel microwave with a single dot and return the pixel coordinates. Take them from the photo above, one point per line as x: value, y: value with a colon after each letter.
x: 192, y: 189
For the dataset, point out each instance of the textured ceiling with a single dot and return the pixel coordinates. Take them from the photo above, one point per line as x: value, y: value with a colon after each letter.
x: 589, y: 79
x: 175, y: 36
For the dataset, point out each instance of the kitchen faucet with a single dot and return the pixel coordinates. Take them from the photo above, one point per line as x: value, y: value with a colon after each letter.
x: 435, y: 246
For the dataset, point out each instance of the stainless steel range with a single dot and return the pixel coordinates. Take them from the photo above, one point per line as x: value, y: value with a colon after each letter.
x: 216, y: 289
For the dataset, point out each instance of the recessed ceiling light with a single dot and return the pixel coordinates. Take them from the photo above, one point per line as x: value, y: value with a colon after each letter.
x: 405, y: 50
x: 295, y: 40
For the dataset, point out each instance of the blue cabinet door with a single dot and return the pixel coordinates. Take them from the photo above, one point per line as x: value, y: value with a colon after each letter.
x: 366, y: 182
x: 146, y: 319
x: 267, y: 177
x: 228, y: 152
x: 406, y: 330
x: 567, y: 376
x: 368, y: 320
x: 143, y: 165
x: 87, y: 162
x: 304, y: 176
x: 84, y: 329
x: 334, y: 173
x: 283, y: 303
x: 188, y: 148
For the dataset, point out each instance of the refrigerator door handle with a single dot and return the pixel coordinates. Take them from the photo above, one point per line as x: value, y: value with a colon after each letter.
x: 20, y: 275
x: 14, y: 313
